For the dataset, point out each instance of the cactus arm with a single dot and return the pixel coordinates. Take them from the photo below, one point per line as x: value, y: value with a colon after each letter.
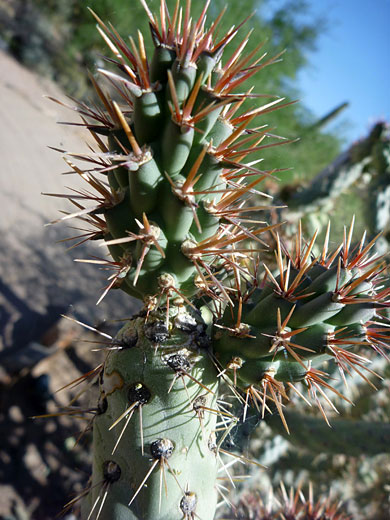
x: 327, y: 185
x: 369, y: 155
x: 347, y: 436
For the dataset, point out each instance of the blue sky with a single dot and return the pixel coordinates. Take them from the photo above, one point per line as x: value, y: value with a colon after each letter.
x: 351, y: 63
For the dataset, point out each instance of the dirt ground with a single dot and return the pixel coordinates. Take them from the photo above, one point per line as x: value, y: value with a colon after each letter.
x: 41, y: 466
x: 40, y: 469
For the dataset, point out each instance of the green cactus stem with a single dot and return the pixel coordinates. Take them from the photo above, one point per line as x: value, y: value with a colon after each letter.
x: 160, y: 388
x: 347, y: 436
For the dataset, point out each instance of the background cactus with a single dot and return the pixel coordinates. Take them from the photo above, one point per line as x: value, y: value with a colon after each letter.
x: 171, y: 168
x: 361, y: 171
x: 289, y: 503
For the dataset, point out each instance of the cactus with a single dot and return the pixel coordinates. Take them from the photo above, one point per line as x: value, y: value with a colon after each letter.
x: 172, y: 180
x: 367, y: 162
x: 347, y: 436
x: 288, y: 504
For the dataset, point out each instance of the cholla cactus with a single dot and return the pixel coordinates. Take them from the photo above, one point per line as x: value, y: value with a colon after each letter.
x: 289, y: 504
x: 173, y: 180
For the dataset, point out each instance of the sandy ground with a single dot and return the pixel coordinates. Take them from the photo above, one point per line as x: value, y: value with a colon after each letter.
x: 38, y: 281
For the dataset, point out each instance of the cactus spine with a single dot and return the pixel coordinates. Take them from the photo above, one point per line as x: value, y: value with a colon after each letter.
x: 172, y: 181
